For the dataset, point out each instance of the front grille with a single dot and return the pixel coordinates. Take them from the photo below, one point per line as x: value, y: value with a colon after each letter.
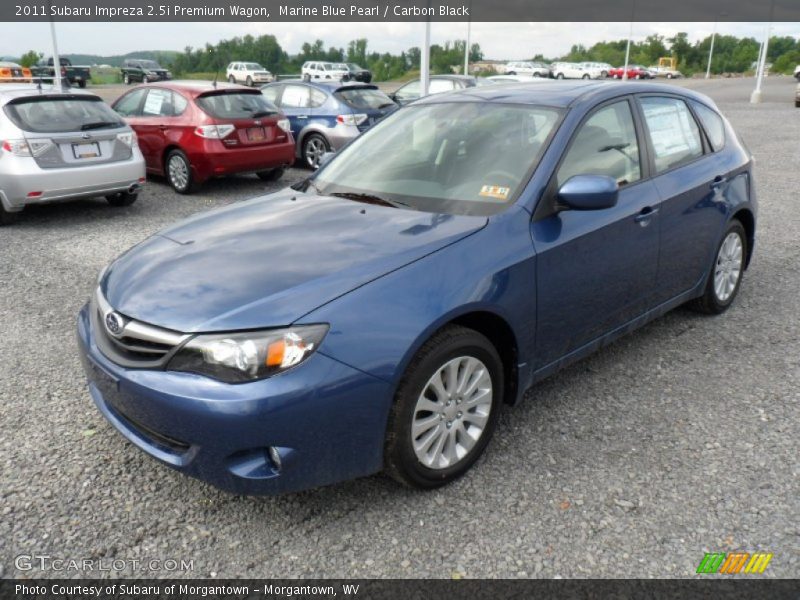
x: 136, y: 344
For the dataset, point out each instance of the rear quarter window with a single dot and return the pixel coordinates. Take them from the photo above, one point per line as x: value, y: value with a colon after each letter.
x: 713, y: 124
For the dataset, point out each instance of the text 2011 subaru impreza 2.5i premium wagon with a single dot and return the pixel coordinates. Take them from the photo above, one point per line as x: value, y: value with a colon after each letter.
x: 57, y: 145
x: 380, y: 315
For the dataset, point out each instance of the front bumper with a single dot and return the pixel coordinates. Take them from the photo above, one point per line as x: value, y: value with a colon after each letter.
x: 326, y: 421
x: 20, y: 176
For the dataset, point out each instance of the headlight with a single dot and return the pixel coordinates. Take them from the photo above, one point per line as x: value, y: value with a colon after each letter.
x: 248, y: 356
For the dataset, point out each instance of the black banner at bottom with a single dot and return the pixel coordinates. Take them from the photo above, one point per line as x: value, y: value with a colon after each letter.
x: 410, y: 589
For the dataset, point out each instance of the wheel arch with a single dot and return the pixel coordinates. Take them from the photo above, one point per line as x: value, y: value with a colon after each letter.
x: 746, y: 217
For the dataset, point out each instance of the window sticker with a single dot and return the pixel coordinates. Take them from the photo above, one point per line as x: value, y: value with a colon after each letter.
x: 498, y: 192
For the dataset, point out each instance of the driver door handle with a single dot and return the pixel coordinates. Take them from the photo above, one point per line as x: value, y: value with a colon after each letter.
x: 645, y: 215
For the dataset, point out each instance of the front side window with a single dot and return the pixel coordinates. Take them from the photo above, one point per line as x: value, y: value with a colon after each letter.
x: 605, y: 144
x: 410, y: 91
x: 128, y: 106
x: 455, y: 158
x: 673, y: 132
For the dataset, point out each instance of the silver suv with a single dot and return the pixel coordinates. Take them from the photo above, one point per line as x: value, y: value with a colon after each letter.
x: 63, y: 144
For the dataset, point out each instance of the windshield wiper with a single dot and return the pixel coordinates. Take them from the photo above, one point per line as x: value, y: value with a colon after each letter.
x: 99, y: 125
x: 368, y: 199
x: 386, y: 105
x: 263, y: 113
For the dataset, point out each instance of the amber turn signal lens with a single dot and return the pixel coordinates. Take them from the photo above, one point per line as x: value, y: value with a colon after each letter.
x: 275, y: 353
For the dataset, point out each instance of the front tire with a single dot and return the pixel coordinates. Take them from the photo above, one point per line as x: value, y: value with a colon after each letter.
x: 725, y: 277
x: 126, y: 79
x: 585, y: 76
x: 560, y: 76
x: 179, y: 172
x: 122, y: 199
x: 249, y: 81
x: 445, y: 409
x: 231, y: 79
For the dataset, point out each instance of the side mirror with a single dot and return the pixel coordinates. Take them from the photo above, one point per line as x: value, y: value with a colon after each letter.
x: 325, y: 159
x: 588, y: 192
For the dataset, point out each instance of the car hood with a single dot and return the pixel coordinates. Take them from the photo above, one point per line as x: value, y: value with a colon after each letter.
x: 269, y: 261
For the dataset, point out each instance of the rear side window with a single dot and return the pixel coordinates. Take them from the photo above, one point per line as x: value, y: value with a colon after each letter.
x: 605, y: 144
x: 128, y: 105
x: 361, y: 98
x: 271, y: 93
x: 47, y: 114
x: 673, y: 131
x: 713, y: 125
x: 158, y: 103
x: 236, y: 105
x: 296, y: 96
x: 317, y: 98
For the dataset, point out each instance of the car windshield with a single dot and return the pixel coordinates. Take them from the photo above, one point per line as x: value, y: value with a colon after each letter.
x: 364, y: 98
x: 354, y: 67
x: 236, y: 105
x: 340, y: 66
x: 149, y: 64
x: 253, y: 67
x: 48, y: 114
x: 451, y: 157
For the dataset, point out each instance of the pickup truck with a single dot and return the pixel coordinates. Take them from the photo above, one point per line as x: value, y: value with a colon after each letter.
x: 76, y: 75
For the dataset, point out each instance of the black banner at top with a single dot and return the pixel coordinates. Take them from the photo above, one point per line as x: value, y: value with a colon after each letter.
x: 402, y: 10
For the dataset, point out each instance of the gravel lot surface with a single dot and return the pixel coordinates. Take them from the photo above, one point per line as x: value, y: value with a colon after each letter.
x: 679, y: 439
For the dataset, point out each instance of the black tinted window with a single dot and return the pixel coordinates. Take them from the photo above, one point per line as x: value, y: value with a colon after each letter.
x: 238, y: 105
x: 364, y: 98
x: 46, y: 114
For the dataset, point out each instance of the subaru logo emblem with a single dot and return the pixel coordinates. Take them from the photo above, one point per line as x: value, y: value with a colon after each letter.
x: 257, y: 122
x: 86, y: 136
x: 114, y: 323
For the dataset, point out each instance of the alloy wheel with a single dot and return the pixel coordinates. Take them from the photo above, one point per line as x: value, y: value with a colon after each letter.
x: 178, y: 172
x: 315, y: 148
x: 728, y: 266
x: 452, y: 412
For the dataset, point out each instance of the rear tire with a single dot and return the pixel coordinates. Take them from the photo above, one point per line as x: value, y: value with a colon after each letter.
x: 314, y: 146
x: 270, y: 174
x: 122, y: 199
x: 560, y: 76
x: 726, y: 271
x: 438, y: 425
x: 585, y: 76
x: 179, y: 172
x: 8, y: 218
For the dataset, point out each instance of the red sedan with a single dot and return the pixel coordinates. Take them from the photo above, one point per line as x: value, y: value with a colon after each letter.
x: 192, y: 131
x: 634, y: 72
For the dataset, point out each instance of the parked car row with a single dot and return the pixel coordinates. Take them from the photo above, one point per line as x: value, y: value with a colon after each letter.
x: 379, y: 314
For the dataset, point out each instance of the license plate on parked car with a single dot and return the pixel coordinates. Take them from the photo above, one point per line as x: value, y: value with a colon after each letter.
x: 256, y: 134
x: 91, y: 150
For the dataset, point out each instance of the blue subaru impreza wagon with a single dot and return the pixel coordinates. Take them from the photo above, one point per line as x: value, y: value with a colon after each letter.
x: 379, y: 315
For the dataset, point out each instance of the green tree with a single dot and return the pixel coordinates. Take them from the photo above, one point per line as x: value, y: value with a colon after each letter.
x: 30, y: 58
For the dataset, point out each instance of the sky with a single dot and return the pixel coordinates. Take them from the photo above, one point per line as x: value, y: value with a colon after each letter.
x: 501, y: 41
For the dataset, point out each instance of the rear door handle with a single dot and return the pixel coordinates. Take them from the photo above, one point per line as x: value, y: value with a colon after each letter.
x: 162, y: 127
x: 644, y: 216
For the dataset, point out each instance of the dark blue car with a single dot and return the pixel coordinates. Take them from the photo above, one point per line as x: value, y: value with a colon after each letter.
x: 380, y: 315
x: 326, y: 116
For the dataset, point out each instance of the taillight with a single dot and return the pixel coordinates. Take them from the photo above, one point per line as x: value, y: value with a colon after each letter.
x: 214, y: 132
x: 284, y: 124
x: 128, y: 138
x: 26, y: 147
x: 356, y: 119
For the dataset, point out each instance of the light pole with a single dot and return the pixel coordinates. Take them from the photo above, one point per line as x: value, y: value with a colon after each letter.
x: 424, y: 60
x: 711, y: 51
x: 56, y: 58
x: 627, y: 54
x: 466, y: 49
x: 755, y: 97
